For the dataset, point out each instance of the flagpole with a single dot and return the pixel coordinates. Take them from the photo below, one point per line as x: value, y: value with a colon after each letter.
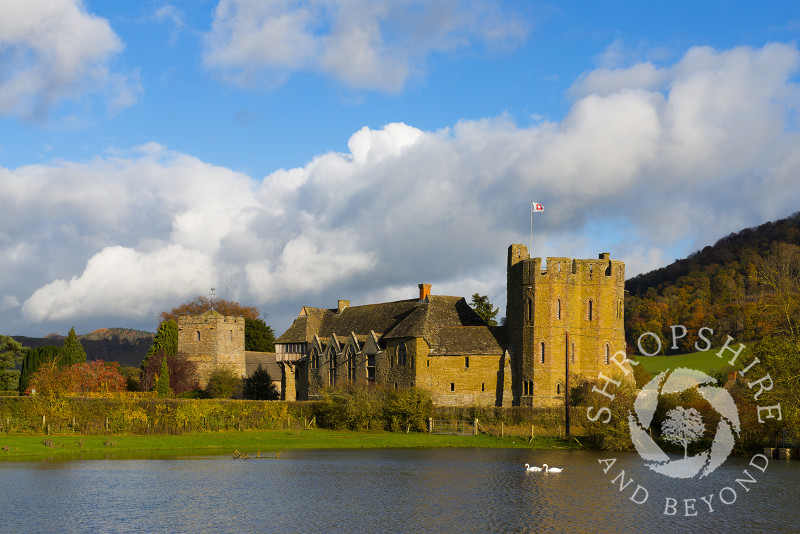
x: 530, y: 248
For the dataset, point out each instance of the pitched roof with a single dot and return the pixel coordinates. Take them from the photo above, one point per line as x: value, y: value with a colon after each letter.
x: 444, y: 322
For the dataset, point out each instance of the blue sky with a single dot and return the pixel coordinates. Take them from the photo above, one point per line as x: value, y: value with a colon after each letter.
x: 296, y: 153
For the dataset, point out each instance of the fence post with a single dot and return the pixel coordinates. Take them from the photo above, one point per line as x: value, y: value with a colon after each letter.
x: 475, y: 428
x: 502, y: 429
x: 430, y: 424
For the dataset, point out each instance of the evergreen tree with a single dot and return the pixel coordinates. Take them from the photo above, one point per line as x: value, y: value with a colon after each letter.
x: 33, y: 359
x: 10, y: 354
x: 162, y: 383
x: 258, y: 336
x: 259, y: 386
x: 165, y: 340
x: 484, y: 308
x: 72, y: 351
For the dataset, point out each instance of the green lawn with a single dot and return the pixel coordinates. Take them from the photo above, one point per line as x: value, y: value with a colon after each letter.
x: 706, y: 361
x: 266, y: 442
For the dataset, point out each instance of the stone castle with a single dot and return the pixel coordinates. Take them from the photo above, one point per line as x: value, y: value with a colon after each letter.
x: 561, y: 322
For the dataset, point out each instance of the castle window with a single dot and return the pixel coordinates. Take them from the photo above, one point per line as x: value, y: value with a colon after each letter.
x: 573, y: 352
x: 527, y: 387
x: 314, y: 358
x: 197, y: 335
x: 530, y: 311
x: 428, y: 362
x: 541, y: 352
x: 332, y: 367
x: 351, y: 364
x: 591, y: 270
x: 401, y: 354
x: 231, y: 335
x: 452, y: 386
x: 558, y: 308
x: 590, y: 310
x: 558, y: 389
x: 483, y: 386
x: 608, y: 354
x: 371, y: 367
x: 466, y: 361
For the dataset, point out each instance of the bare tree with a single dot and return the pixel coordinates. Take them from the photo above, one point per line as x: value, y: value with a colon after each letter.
x: 683, y: 427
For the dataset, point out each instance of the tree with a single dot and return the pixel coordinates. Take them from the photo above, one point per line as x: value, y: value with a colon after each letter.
x: 72, y: 351
x: 780, y: 273
x: 165, y: 340
x: 162, y: 382
x: 92, y: 377
x: 223, y: 383
x: 182, y: 372
x: 200, y: 305
x: 259, y: 386
x: 258, y: 336
x: 683, y: 427
x: 10, y: 355
x: 33, y: 359
x: 484, y: 308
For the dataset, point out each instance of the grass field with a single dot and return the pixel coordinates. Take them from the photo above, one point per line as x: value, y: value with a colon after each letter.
x: 706, y: 361
x: 267, y: 442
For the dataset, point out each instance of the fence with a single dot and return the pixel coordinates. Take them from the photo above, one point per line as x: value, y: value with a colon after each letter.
x: 450, y: 426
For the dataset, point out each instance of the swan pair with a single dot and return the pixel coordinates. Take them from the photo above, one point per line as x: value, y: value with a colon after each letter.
x: 534, y: 469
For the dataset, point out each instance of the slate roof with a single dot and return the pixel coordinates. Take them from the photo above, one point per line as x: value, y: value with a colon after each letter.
x: 266, y: 360
x: 446, y: 323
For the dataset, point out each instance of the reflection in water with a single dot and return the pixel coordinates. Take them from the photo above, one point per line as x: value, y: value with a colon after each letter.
x: 430, y: 490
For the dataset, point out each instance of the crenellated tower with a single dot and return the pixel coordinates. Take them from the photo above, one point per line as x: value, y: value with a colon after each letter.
x: 567, y: 314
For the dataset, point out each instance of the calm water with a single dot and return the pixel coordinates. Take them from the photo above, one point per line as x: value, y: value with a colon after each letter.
x: 435, y: 490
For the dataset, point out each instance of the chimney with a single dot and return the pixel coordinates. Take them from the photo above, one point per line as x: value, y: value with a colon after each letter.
x: 342, y: 305
x: 424, y: 292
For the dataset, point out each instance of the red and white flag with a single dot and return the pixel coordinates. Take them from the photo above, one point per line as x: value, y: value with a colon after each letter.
x: 535, y: 206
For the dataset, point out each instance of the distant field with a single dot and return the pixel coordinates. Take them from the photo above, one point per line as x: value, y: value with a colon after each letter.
x: 705, y: 361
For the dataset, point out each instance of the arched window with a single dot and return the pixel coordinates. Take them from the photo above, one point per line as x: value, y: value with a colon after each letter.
x: 351, y: 364
x: 231, y: 335
x: 401, y: 354
x: 527, y: 387
x: 608, y: 354
x: 332, y: 367
x: 558, y: 389
x: 541, y: 352
x: 590, y: 310
x: 197, y: 335
x: 558, y: 308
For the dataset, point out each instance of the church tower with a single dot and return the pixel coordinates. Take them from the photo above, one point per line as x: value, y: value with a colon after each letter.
x: 563, y: 317
x: 213, y: 341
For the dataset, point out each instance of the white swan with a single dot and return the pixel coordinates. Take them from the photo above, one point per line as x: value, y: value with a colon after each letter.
x: 551, y: 469
x: 532, y: 469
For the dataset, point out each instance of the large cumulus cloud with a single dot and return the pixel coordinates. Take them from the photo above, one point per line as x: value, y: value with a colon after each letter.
x: 642, y: 165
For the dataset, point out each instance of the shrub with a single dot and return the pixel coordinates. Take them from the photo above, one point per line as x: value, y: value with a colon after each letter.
x: 223, y: 383
x: 92, y: 377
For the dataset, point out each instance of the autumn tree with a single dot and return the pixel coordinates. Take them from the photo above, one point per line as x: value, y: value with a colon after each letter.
x: 182, y: 372
x: 200, y: 305
x: 92, y: 377
x: 484, y: 308
x: 33, y: 359
x: 10, y: 355
x: 72, y: 351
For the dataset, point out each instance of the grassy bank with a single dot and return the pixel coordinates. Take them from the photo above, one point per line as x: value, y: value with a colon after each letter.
x: 267, y: 442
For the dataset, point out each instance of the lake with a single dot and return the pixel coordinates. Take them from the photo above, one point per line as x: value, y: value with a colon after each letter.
x: 405, y: 490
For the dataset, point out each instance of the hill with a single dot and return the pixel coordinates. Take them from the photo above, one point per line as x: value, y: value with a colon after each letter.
x: 746, y: 285
x: 123, y: 345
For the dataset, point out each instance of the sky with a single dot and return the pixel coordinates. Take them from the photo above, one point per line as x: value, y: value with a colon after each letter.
x: 291, y: 153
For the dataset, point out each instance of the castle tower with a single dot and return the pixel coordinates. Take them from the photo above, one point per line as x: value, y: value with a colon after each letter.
x: 569, y: 314
x: 212, y: 340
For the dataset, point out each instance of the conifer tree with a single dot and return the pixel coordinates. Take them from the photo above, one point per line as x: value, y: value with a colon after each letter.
x: 72, y: 351
x: 10, y: 353
x: 162, y: 384
x: 259, y: 386
x: 165, y: 340
x: 33, y: 359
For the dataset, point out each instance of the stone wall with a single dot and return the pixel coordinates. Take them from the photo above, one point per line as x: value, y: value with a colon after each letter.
x: 474, y: 380
x: 213, y: 341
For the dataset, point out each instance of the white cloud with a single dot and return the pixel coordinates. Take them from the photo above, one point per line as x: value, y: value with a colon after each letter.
x: 640, y: 172
x: 53, y: 50
x: 366, y: 44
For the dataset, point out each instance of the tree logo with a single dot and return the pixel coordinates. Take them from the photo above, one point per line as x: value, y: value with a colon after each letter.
x: 683, y: 426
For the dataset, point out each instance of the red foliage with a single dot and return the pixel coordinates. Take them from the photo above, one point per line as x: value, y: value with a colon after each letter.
x: 182, y: 372
x: 90, y: 377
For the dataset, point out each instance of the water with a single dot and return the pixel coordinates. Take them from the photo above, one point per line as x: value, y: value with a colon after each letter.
x: 428, y: 490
